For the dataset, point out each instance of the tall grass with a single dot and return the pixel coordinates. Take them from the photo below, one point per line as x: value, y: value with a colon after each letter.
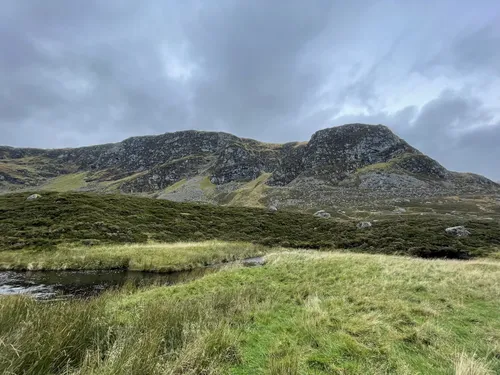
x: 81, y: 337
x: 157, y: 257
x: 304, y: 312
x: 470, y: 365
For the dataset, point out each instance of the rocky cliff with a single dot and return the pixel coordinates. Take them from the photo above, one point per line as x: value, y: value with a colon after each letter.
x: 345, y: 163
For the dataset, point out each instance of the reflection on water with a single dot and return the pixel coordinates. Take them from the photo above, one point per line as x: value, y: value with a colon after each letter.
x: 77, y: 284
x: 51, y: 284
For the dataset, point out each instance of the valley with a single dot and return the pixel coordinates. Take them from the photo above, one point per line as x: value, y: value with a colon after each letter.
x: 203, y: 253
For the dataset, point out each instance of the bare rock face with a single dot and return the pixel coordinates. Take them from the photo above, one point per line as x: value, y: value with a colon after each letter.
x: 374, y: 181
x: 336, y: 152
x: 338, y: 165
x: 236, y: 162
x: 459, y: 231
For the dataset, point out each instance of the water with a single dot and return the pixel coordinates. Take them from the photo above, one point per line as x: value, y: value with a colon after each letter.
x: 82, y: 284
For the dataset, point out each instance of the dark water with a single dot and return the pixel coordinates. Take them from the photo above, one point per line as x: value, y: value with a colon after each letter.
x: 81, y: 284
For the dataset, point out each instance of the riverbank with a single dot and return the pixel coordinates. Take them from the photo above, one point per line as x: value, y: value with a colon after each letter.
x: 151, y: 257
x: 304, y: 312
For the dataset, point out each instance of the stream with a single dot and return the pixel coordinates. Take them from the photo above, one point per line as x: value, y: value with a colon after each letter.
x: 47, y: 285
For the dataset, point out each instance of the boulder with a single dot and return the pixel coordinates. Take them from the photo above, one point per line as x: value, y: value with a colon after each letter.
x: 33, y: 197
x: 272, y: 209
x: 399, y: 210
x: 458, y: 231
x: 322, y: 214
x: 252, y: 262
x: 364, y: 224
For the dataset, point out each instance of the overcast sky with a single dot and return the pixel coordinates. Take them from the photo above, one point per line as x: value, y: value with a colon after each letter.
x: 76, y: 73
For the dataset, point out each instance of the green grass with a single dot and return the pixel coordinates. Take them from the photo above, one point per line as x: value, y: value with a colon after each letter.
x: 206, y: 184
x: 175, y: 186
x: 114, y: 185
x: 70, y: 218
x: 252, y: 193
x: 304, y: 312
x: 375, y: 167
x: 67, y: 182
x: 137, y: 257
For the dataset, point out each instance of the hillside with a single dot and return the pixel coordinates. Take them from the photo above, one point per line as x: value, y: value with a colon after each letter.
x: 58, y: 219
x: 344, y: 165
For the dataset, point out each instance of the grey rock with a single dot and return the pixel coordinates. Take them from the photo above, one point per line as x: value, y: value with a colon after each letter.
x: 322, y: 214
x: 374, y: 181
x: 339, y: 166
x: 458, y: 231
x: 33, y: 197
x: 364, y: 225
x: 252, y: 262
x: 399, y: 210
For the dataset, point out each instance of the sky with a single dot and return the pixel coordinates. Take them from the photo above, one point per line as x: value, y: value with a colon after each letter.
x: 76, y: 73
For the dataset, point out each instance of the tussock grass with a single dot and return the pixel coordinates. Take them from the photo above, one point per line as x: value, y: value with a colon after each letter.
x: 470, y: 365
x: 157, y: 257
x: 304, y: 312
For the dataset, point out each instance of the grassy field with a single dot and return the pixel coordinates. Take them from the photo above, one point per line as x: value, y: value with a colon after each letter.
x: 71, y: 218
x: 304, y: 312
x: 136, y: 257
x: 66, y: 182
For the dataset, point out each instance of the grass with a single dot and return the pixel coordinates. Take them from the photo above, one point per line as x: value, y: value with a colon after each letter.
x: 32, y: 170
x: 175, y: 186
x: 470, y: 365
x: 137, y: 257
x: 375, y: 167
x: 71, y: 218
x: 304, y: 312
x: 114, y: 185
x: 252, y: 193
x: 206, y: 184
x: 67, y: 182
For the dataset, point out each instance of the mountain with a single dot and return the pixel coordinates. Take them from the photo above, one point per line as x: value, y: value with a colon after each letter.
x: 352, y: 163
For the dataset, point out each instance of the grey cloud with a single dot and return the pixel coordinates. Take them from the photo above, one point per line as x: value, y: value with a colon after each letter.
x: 478, y: 50
x: 449, y: 114
x: 442, y: 129
x: 475, y: 51
x: 59, y: 42
x: 75, y: 73
x: 253, y: 63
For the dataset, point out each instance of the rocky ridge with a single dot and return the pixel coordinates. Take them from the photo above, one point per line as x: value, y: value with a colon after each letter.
x: 338, y: 165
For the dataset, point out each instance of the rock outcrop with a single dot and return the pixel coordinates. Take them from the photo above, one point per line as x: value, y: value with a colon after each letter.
x: 364, y: 225
x: 33, y: 197
x: 459, y: 231
x: 337, y: 165
x: 322, y: 214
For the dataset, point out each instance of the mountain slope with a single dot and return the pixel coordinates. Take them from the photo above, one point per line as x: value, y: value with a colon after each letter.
x: 338, y: 165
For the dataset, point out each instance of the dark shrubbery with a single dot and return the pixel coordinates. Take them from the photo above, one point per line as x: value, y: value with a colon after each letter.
x: 75, y: 217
